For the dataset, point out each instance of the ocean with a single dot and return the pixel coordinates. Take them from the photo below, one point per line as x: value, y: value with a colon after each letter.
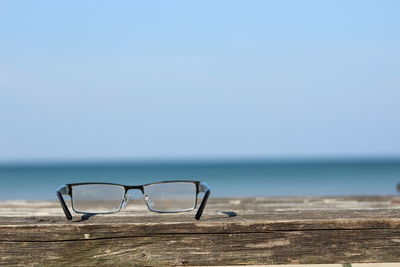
x: 226, y: 179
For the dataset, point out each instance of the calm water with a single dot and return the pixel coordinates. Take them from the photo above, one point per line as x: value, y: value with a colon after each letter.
x: 225, y: 179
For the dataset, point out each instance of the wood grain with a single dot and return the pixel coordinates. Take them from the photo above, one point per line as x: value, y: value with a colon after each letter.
x: 232, y: 231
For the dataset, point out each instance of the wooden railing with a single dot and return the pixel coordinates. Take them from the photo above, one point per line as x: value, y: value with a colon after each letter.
x: 232, y: 231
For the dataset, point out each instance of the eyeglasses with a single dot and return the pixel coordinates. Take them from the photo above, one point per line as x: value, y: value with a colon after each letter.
x: 162, y: 197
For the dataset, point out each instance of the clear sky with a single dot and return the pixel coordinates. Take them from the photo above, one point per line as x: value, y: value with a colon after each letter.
x: 198, y: 79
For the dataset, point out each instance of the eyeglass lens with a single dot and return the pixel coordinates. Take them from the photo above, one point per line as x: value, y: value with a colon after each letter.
x: 97, y: 198
x: 170, y: 197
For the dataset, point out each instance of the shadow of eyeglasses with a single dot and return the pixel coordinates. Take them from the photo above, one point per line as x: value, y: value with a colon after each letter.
x: 85, y: 217
x: 228, y: 214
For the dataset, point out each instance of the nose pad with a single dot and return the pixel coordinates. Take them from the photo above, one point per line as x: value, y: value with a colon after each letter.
x: 148, y: 200
x: 127, y: 197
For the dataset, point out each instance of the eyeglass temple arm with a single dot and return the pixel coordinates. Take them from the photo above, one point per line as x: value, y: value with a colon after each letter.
x: 204, y: 189
x: 63, y: 190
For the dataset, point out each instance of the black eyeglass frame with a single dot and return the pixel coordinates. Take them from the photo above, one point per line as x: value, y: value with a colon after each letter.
x: 201, y: 187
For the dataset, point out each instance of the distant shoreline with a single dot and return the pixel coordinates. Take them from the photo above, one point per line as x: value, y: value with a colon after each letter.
x: 201, y: 162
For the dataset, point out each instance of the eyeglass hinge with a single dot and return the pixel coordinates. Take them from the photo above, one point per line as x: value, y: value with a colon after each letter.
x: 203, y: 187
x: 64, y: 190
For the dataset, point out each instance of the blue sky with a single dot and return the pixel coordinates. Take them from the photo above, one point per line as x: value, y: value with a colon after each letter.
x: 88, y: 80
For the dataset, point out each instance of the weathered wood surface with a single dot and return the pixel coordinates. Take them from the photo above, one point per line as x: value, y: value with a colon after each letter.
x: 232, y: 231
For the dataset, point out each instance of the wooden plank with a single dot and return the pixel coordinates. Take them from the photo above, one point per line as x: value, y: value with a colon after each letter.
x: 232, y: 231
